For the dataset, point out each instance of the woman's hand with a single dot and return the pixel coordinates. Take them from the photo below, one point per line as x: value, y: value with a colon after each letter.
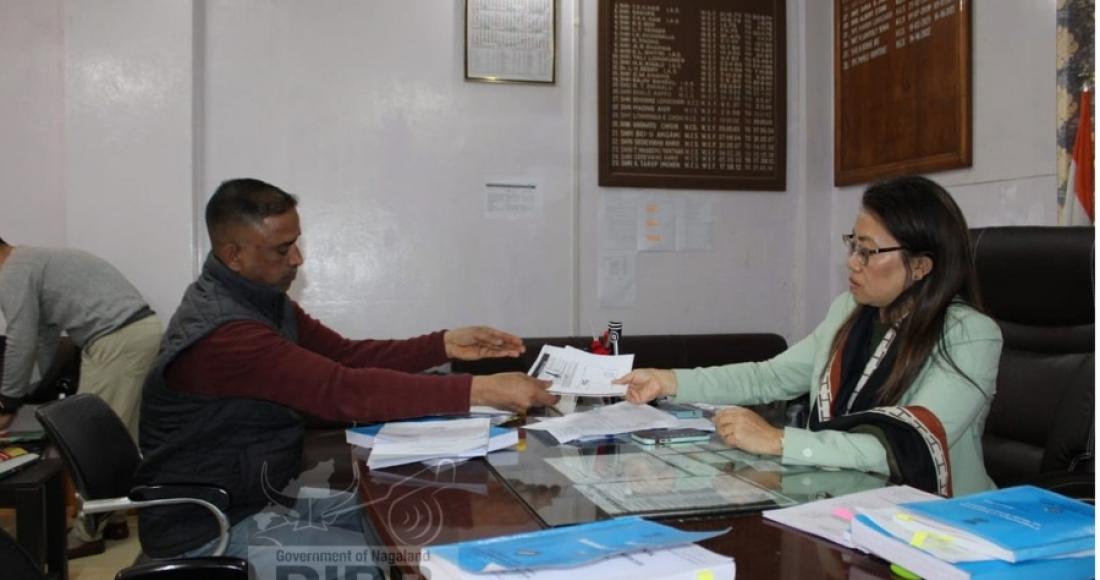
x: 644, y: 385
x: 744, y: 429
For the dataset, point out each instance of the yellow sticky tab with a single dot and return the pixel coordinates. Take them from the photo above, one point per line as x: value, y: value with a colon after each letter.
x: 918, y: 539
x: 704, y: 575
x: 904, y: 517
x: 903, y: 573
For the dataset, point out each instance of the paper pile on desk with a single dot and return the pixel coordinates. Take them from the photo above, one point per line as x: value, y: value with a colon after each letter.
x: 624, y: 417
x: 1021, y: 532
x: 575, y: 372
x: 624, y: 548
x: 430, y: 440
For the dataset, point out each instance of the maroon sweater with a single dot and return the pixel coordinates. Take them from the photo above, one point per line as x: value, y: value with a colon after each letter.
x: 324, y: 374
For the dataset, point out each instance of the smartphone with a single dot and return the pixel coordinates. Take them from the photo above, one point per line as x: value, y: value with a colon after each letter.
x: 655, y: 436
x: 680, y: 410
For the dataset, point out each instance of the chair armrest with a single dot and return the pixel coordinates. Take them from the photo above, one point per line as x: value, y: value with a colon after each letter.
x: 212, y: 494
x: 214, y: 499
x: 212, y: 568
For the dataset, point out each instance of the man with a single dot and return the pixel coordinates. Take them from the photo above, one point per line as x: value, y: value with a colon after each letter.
x: 240, y: 361
x: 44, y: 292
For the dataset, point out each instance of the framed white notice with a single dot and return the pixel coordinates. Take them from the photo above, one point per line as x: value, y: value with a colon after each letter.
x: 511, y: 40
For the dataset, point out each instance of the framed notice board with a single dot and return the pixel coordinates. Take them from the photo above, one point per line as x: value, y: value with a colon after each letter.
x: 902, y: 87
x: 692, y: 94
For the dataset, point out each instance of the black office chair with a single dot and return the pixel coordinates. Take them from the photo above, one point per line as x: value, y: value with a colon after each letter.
x: 1038, y: 284
x: 102, y: 459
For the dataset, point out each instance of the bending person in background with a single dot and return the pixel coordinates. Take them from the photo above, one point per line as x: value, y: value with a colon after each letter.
x: 241, y: 362
x: 47, y: 291
x: 901, y: 372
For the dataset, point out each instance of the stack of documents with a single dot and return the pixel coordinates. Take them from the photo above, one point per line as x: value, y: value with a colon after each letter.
x: 623, y: 417
x: 624, y: 548
x: 1017, y: 532
x: 576, y: 372
x: 430, y: 440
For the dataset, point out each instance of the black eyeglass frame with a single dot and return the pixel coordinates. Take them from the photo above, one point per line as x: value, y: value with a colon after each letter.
x: 853, y: 247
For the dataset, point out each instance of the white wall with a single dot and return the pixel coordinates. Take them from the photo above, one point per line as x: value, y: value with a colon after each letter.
x: 32, y: 110
x: 125, y: 114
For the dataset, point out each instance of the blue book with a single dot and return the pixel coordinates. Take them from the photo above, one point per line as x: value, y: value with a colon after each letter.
x: 1017, y: 523
x: 870, y: 536
x: 565, y: 547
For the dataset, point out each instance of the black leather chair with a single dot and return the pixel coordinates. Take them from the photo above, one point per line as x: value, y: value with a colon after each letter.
x: 102, y: 459
x: 1038, y: 283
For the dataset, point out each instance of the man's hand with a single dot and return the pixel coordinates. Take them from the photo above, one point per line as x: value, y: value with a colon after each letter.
x: 5, y: 422
x: 744, y: 429
x: 644, y: 385
x: 512, y: 391
x: 478, y: 342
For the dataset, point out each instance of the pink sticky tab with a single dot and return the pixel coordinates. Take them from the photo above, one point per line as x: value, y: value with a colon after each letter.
x: 844, y: 514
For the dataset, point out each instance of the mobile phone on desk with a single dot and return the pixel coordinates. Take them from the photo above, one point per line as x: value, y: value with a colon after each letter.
x: 655, y: 436
x: 680, y: 411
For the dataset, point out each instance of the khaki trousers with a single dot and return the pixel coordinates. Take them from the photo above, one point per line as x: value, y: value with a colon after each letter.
x: 114, y: 367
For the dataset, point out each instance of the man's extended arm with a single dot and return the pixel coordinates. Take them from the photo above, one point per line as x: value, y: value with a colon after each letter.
x: 251, y: 360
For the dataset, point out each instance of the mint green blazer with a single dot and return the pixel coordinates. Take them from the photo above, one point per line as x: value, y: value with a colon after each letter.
x: 974, y: 343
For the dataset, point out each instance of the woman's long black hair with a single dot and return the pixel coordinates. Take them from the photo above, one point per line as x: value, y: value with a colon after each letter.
x: 925, y: 220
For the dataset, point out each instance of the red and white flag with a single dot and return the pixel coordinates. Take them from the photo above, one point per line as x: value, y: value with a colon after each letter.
x: 1077, y: 210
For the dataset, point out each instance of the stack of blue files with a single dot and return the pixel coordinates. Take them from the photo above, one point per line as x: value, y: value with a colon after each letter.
x: 625, y: 548
x: 1016, y: 532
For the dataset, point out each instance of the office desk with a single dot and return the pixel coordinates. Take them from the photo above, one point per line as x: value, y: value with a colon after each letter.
x: 413, y: 506
x: 38, y: 496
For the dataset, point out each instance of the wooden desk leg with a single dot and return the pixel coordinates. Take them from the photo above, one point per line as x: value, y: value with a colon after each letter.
x: 30, y: 519
x: 56, y: 532
x: 40, y: 525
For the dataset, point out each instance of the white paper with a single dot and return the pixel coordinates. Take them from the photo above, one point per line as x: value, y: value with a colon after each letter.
x: 657, y: 225
x: 618, y: 221
x: 700, y: 492
x: 511, y: 40
x: 407, y: 442
x: 694, y: 216
x: 575, y: 372
x: 690, y: 561
x: 603, y: 468
x: 614, y: 419
x: 829, y: 518
x: 617, y: 285
x: 505, y: 200
x: 700, y: 423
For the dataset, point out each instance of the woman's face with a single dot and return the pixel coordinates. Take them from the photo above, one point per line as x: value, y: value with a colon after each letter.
x: 884, y: 277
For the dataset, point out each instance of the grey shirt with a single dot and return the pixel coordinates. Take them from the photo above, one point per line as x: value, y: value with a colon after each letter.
x: 45, y: 291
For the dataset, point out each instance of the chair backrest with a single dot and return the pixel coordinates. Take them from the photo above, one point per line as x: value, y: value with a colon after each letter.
x: 655, y: 350
x: 95, y: 444
x: 1038, y: 284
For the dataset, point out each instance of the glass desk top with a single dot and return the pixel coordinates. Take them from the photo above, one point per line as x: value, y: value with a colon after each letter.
x: 575, y: 483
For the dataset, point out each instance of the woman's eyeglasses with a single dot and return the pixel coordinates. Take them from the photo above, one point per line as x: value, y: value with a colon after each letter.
x: 851, y: 244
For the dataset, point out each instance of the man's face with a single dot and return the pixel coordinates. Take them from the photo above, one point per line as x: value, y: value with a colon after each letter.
x: 266, y: 253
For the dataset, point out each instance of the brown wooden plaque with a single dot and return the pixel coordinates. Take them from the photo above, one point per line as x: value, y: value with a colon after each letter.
x: 902, y: 74
x: 692, y: 94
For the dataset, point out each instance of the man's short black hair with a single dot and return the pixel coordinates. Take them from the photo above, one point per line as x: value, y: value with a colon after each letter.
x: 2, y: 242
x: 245, y: 200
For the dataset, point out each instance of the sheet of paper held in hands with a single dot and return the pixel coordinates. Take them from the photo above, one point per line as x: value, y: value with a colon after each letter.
x: 575, y: 372
x: 623, y: 417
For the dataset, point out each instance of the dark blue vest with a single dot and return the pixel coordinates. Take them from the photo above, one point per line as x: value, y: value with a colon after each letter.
x: 245, y: 446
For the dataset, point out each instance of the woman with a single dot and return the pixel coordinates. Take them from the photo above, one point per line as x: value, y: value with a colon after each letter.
x: 900, y: 373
